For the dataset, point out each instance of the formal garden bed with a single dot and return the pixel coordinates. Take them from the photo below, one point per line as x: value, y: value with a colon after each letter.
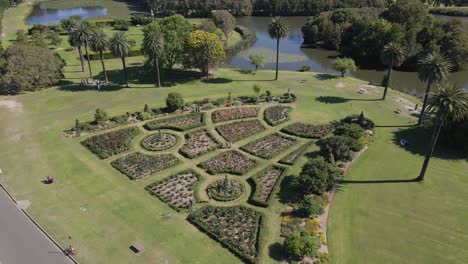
x: 232, y: 162
x: 179, y: 123
x: 198, y: 143
x: 266, y: 183
x: 226, y: 189
x: 138, y: 165
x: 159, y: 141
x: 309, y: 130
x: 291, y: 158
x: 111, y: 143
x: 269, y: 146
x: 236, y: 131
x: 228, y: 114
x: 237, y: 228
x: 178, y: 190
x: 276, y: 115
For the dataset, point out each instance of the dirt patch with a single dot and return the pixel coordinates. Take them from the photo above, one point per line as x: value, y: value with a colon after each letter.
x: 12, y: 105
x: 340, y: 85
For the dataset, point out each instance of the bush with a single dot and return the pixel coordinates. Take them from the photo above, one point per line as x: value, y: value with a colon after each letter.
x: 121, y: 120
x: 140, y: 20
x: 361, y: 120
x: 121, y: 24
x: 322, y: 258
x: 301, y: 244
x: 174, y: 101
x: 312, y: 207
x: 338, y: 148
x: 100, y: 115
x: 305, y: 68
x: 144, y: 116
x: 351, y: 130
x: 317, y: 176
x: 112, y: 143
x: 308, y: 130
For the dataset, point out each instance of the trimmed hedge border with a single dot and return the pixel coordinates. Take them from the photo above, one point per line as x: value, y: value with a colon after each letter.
x: 308, y: 130
x: 156, y: 124
x: 292, y: 157
x: 271, y: 122
x: 260, y: 225
x: 151, y: 135
x: 194, y: 186
x: 254, y: 179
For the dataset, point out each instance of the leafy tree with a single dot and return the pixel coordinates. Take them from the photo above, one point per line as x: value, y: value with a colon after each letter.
x: 175, y: 30
x: 392, y: 55
x: 203, y: 50
x: 408, y: 13
x: 70, y: 23
x: 174, y: 101
x: 449, y: 102
x: 54, y: 38
x: 210, y: 27
x: 351, y: 130
x: 224, y: 20
x: 433, y: 68
x: 99, y: 42
x: 344, y: 65
x: 258, y: 60
x: 312, y: 207
x: 21, y: 37
x: 121, y: 46
x: 454, y: 43
x: 277, y: 29
x: 100, y: 115
x: 317, y: 176
x: 153, y: 44
x: 339, y: 148
x: 298, y: 245
x: 38, y: 39
x: 26, y: 67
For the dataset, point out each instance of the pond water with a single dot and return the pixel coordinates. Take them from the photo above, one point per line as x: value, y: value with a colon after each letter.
x: 292, y: 57
x: 54, y: 16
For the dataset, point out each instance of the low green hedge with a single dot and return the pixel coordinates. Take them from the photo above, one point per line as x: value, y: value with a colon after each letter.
x: 254, y: 180
x: 292, y: 157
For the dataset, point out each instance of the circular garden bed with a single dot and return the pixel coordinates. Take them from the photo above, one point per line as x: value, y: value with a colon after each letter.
x: 159, y: 141
x: 225, y: 189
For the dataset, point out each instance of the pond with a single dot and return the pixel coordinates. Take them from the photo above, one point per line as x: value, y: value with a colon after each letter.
x: 292, y: 57
x: 54, y: 16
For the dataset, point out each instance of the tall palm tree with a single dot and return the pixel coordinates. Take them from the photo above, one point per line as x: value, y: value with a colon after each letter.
x: 433, y: 68
x: 391, y: 56
x: 83, y: 33
x: 153, y: 43
x: 277, y: 29
x: 75, y: 41
x: 99, y: 42
x: 120, y: 46
x: 449, y: 102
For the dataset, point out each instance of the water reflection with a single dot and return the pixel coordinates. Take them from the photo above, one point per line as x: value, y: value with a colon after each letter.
x: 54, y: 16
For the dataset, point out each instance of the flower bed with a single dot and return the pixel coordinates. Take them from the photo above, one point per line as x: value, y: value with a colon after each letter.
x: 237, y: 228
x: 179, y: 123
x: 112, y: 143
x: 233, y: 114
x: 198, y: 143
x: 293, y: 156
x: 308, y: 130
x: 276, y: 114
x: 266, y: 182
x: 232, y: 162
x: 159, y: 141
x: 239, y: 130
x: 269, y: 146
x: 224, y: 190
x: 178, y: 191
x: 138, y: 166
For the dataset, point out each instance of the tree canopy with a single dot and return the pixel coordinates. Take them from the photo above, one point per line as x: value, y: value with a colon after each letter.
x: 203, y: 51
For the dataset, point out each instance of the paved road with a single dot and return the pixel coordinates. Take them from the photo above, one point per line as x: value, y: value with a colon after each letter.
x: 21, y: 242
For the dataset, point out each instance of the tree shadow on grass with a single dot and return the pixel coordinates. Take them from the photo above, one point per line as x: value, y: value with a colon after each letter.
x: 340, y: 100
x: 418, y: 143
x: 276, y: 252
x: 84, y: 88
x: 288, y: 190
x: 218, y: 80
x: 326, y: 76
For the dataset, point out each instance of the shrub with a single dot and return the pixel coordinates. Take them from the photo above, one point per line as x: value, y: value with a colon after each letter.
x: 276, y: 114
x: 100, y: 115
x: 144, y: 116
x: 305, y: 68
x: 308, y: 130
x: 224, y: 190
x: 121, y: 119
x: 111, y: 143
x: 338, y: 147
x: 121, y: 24
x: 312, y: 207
x: 140, y: 20
x: 301, y: 244
x: 174, y: 101
x: 159, y: 141
x: 322, y: 258
x: 361, y: 120
x: 317, y: 176
x: 350, y: 129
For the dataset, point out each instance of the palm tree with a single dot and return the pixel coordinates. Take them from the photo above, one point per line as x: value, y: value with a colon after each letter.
x: 153, y: 44
x: 120, y: 46
x: 83, y: 32
x: 99, y: 42
x: 392, y: 55
x: 75, y: 41
x: 432, y: 69
x: 277, y: 29
x: 449, y: 102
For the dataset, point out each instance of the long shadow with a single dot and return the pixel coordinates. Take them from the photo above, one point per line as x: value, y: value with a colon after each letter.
x: 288, y: 193
x: 340, y: 100
x: 383, y: 126
x: 376, y: 181
x: 326, y: 76
x: 276, y: 252
x: 84, y: 88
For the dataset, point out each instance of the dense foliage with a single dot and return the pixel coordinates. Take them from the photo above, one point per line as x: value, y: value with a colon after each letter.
x: 266, y: 182
x: 228, y: 114
x: 174, y: 101
x: 159, y: 141
x: 112, y: 143
x: 203, y: 51
x: 198, y: 143
x: 27, y: 67
x: 317, y: 176
x: 309, y: 130
x: 269, y: 146
x: 138, y: 165
x: 232, y: 162
x: 236, y: 131
x: 224, y: 190
x: 179, y: 122
x: 312, y: 207
x: 276, y: 115
x: 298, y: 245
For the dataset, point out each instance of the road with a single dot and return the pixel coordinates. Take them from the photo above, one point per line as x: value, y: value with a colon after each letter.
x: 21, y: 242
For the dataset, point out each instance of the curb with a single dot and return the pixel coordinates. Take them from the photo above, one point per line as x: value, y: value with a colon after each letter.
x: 38, y: 226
